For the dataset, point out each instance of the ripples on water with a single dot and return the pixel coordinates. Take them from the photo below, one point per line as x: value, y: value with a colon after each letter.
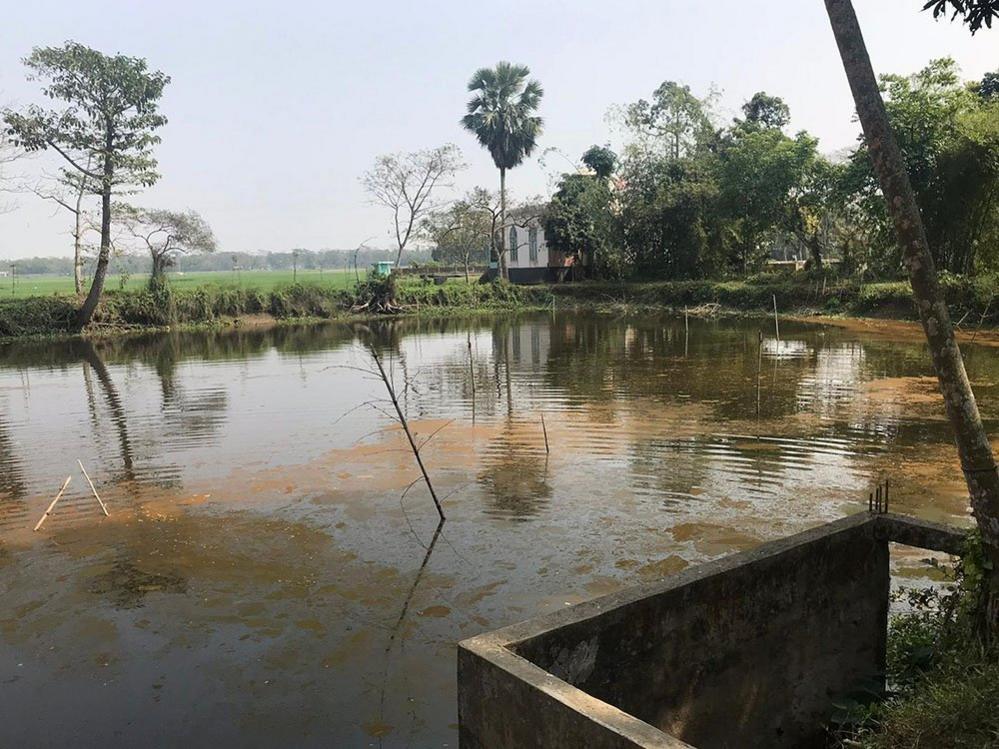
x: 258, y: 535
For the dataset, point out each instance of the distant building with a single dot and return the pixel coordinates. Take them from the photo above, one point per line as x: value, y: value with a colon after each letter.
x: 529, y: 259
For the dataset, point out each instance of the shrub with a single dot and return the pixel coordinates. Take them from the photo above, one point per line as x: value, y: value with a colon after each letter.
x: 944, y: 679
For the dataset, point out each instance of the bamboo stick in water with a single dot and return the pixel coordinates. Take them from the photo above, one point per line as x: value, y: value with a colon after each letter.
x: 52, y: 506
x: 94, y: 490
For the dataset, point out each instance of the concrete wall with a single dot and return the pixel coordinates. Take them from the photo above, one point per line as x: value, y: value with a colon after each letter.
x: 748, y: 651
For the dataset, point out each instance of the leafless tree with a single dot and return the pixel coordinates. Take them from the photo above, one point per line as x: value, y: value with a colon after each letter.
x: 166, y: 234
x: 9, y: 153
x: 69, y: 191
x: 464, y: 229
x: 405, y: 184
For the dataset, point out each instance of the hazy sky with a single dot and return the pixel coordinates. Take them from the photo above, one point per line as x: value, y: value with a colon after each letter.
x: 275, y: 109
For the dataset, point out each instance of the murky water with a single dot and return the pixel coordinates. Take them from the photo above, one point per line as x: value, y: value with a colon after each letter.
x: 269, y: 576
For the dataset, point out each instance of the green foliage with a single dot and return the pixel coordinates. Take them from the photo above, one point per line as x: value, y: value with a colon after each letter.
x: 975, y: 13
x: 690, y: 200
x: 768, y: 183
x: 580, y: 221
x: 675, y: 122
x: 501, y: 114
x: 944, y: 679
x: 165, y: 235
x: 949, y: 138
x: 110, y: 113
x: 601, y: 160
x: 766, y: 111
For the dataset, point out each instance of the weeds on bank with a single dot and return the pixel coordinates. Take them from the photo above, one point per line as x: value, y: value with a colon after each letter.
x: 943, y: 680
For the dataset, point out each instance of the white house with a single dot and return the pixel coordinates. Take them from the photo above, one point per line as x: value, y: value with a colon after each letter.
x: 528, y: 257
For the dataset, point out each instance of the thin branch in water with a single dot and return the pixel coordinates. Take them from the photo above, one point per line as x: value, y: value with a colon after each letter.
x: 544, y: 429
x: 436, y: 432
x: 409, y: 435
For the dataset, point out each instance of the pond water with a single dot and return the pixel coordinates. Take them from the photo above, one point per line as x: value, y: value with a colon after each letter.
x: 270, y: 575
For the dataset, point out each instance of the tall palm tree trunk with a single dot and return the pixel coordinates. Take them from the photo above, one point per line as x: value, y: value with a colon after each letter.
x: 504, y: 273
x: 973, y: 447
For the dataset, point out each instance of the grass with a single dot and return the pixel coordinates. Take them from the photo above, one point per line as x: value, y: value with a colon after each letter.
x: 40, y: 305
x: 22, y: 287
x: 942, y: 676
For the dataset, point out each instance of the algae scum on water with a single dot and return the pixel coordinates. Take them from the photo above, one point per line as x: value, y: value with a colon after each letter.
x: 268, y: 574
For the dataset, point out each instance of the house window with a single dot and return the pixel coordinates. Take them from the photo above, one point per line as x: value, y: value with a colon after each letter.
x: 513, y: 244
x: 532, y: 245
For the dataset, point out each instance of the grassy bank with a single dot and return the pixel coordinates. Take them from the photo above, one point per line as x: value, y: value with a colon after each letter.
x: 22, y: 287
x: 218, y: 304
x: 970, y: 299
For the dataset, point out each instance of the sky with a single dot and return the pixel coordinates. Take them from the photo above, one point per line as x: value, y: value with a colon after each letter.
x: 276, y: 109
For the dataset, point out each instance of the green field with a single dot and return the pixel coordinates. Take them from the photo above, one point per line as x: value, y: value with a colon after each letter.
x: 27, y: 286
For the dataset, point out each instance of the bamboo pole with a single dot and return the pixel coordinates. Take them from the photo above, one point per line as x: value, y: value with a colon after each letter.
x: 52, y: 506
x: 544, y: 429
x: 93, y: 489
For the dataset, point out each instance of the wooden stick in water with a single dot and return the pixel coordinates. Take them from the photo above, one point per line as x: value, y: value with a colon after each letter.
x: 52, y: 506
x: 686, y: 330
x: 94, y: 490
x: 545, y: 430
x: 776, y: 324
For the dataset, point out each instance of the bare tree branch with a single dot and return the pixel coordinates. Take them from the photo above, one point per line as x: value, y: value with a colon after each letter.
x: 405, y: 183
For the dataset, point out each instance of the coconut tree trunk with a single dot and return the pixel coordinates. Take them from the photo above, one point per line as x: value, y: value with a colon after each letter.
x: 504, y: 273
x: 973, y: 445
x: 86, y: 312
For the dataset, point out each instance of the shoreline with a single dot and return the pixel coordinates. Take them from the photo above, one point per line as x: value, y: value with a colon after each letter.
x: 879, y: 309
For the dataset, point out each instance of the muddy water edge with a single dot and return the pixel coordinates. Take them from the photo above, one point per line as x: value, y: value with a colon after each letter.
x: 269, y: 576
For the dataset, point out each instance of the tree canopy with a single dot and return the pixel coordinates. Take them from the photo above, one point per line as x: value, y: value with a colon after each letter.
x: 110, y: 113
x: 166, y: 234
x: 502, y: 112
x: 105, y: 129
x: 975, y: 13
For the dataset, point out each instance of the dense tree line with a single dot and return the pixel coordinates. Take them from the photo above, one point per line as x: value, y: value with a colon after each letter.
x: 692, y: 198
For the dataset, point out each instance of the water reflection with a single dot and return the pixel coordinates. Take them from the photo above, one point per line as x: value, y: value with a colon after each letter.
x: 262, y: 578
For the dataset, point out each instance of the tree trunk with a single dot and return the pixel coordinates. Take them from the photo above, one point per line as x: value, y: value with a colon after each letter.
x: 815, y: 247
x: 86, y: 312
x: 973, y: 445
x: 159, y: 270
x: 504, y: 273
x: 77, y: 254
x: 78, y: 235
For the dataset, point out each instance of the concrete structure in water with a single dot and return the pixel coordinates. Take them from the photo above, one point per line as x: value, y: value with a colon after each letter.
x: 747, y: 651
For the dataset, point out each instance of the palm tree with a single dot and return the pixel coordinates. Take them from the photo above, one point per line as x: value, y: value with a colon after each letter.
x: 502, y: 117
x: 973, y: 444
